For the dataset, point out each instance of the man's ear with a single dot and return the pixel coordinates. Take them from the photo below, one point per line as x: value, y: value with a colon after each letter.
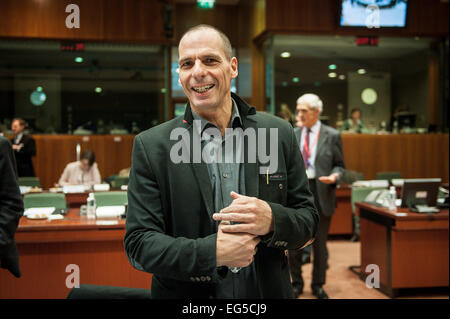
x: 234, y: 67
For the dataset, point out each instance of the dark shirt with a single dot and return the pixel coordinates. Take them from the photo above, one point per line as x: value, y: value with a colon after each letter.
x: 226, y: 175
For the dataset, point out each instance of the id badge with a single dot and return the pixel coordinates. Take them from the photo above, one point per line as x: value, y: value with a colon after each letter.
x: 310, y: 173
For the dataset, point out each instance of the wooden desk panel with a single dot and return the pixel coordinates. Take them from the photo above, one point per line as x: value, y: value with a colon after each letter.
x: 414, y: 155
x: 342, y: 220
x: 422, y: 254
x: 47, y: 247
x: 412, y: 251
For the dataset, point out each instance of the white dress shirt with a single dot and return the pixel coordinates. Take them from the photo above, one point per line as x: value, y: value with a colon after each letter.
x: 313, y: 140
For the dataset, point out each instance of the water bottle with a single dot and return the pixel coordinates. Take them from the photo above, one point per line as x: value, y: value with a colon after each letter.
x: 395, y: 127
x: 91, y: 206
x: 391, y: 199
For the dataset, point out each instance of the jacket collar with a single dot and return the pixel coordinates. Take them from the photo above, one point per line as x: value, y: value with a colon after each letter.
x: 244, y: 109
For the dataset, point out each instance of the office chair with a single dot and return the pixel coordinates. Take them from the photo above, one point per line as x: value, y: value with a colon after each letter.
x: 358, y: 195
x: 117, y: 181
x: 45, y: 200
x: 350, y: 176
x: 111, y: 198
x: 388, y: 175
x: 29, y: 181
x: 108, y: 292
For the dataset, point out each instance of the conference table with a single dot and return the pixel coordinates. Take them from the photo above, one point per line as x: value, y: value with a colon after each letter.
x: 53, y: 251
x: 410, y: 249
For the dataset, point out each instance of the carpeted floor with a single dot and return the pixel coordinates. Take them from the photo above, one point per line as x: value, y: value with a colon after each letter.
x: 341, y: 283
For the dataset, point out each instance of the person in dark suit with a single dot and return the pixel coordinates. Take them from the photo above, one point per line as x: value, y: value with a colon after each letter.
x: 24, y: 148
x: 11, y: 208
x: 214, y: 229
x: 321, y: 147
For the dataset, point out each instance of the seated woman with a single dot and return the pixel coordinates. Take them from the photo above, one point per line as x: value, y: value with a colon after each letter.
x: 82, y: 172
x: 354, y: 123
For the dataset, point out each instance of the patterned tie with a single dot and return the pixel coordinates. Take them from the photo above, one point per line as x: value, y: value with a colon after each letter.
x: 306, y: 154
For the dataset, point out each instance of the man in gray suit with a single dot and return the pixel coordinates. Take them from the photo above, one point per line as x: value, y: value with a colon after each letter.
x: 321, y: 148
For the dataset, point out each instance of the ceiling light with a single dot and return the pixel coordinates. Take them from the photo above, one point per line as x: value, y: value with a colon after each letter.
x: 39, y: 89
x: 295, y: 79
x: 98, y: 89
x: 284, y: 84
x: 332, y: 75
x: 205, y: 4
x: 78, y: 59
x: 285, y: 54
x: 361, y: 71
x: 332, y: 67
x: 341, y: 77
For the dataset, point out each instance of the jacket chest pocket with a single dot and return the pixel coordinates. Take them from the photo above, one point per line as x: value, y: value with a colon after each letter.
x: 273, y: 188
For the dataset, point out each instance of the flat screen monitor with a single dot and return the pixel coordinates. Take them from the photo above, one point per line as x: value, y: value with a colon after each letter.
x: 373, y: 13
x: 420, y: 191
x: 406, y: 120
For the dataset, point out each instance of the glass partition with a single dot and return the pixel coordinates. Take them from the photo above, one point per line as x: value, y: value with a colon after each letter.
x: 389, y: 82
x: 82, y: 88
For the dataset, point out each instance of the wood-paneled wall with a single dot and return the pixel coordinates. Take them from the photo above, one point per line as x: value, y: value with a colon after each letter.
x: 425, y: 18
x: 100, y: 20
x: 415, y: 156
x: 221, y: 17
x: 54, y: 152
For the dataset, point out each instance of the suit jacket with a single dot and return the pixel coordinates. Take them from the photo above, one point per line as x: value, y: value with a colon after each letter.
x: 329, y: 159
x: 11, y: 208
x: 169, y: 228
x: 24, y: 155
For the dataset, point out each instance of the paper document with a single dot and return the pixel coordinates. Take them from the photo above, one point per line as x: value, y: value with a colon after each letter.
x: 101, y: 187
x: 401, y: 214
x: 24, y: 189
x: 372, y: 183
x: 110, y: 211
x: 39, y: 210
x: 75, y: 189
x: 55, y: 217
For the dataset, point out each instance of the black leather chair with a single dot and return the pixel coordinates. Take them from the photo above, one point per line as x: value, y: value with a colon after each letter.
x: 108, y: 292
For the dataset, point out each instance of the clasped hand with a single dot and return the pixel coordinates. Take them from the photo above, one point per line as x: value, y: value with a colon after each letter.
x: 251, y: 215
x: 236, y: 243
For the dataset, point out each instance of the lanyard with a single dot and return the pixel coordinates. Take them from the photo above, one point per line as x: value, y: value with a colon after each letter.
x: 306, y: 146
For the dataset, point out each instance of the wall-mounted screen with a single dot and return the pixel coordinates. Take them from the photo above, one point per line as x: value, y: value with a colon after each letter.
x: 373, y: 13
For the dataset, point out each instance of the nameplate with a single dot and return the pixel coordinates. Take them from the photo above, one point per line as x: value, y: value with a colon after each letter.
x: 106, y: 222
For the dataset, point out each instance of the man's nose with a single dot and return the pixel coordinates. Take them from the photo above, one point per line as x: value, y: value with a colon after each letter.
x: 198, y: 69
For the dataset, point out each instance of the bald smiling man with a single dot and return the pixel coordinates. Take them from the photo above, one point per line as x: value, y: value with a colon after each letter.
x: 204, y: 222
